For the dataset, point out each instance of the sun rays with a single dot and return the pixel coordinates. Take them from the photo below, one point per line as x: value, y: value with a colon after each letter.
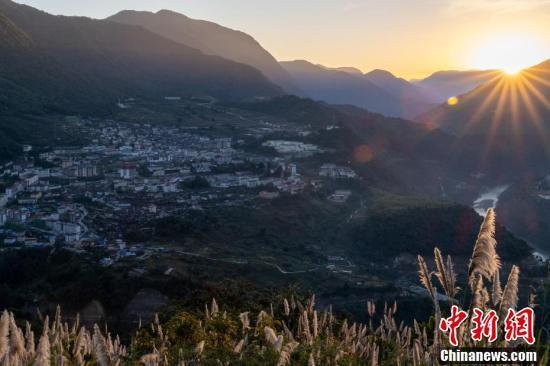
x: 510, y: 114
x: 511, y: 95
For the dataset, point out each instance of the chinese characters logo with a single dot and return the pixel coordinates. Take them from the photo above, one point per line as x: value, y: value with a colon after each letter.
x: 517, y: 325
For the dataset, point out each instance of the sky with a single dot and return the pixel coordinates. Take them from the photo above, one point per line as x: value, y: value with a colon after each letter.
x: 411, y: 38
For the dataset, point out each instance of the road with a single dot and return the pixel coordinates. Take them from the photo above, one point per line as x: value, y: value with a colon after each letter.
x: 245, y: 261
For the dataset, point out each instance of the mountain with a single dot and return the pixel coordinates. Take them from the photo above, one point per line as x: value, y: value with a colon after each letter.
x: 346, y: 85
x: 349, y: 70
x: 508, y: 116
x: 395, y: 85
x: 506, y: 105
x: 445, y: 84
x: 80, y: 65
x: 340, y: 87
x: 210, y: 38
x: 415, y: 99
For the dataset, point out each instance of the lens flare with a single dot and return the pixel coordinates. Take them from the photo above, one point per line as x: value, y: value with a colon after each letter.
x: 452, y: 101
x: 363, y: 153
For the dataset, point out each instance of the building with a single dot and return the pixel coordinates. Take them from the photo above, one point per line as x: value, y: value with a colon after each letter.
x: 203, y: 167
x: 287, y: 147
x: 268, y: 195
x: 3, y: 200
x: 223, y: 143
x: 10, y: 241
x: 18, y: 216
x: 71, y: 232
x: 292, y: 169
x: 127, y: 171
x: 86, y: 171
x: 249, y: 181
x: 3, y: 218
x: 29, y: 179
x: 340, y: 196
x: 337, y: 172
x: 66, y: 163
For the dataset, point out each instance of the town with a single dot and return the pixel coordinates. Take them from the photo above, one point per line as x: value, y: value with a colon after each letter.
x: 77, y: 196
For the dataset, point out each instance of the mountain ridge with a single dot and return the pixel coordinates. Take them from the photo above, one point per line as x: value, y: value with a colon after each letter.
x: 444, y: 84
x: 338, y: 87
x: 350, y: 86
x: 209, y: 38
x: 79, y: 64
x: 493, y: 105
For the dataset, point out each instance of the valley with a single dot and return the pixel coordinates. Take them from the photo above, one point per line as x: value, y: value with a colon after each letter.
x: 202, y: 192
x: 151, y: 162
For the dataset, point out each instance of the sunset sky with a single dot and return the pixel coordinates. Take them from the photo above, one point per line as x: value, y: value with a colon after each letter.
x: 411, y: 38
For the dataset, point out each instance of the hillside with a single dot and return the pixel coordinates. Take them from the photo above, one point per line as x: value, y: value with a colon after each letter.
x: 80, y: 65
x: 10, y: 34
x: 245, y: 325
x: 508, y: 105
x: 504, y: 122
x: 210, y: 38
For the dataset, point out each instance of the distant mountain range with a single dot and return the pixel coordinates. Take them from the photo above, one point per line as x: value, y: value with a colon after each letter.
x: 63, y: 65
x: 76, y: 64
x: 212, y: 39
x: 442, y: 85
x: 378, y: 91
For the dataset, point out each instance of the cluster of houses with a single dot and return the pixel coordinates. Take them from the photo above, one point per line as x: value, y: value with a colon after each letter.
x: 44, y: 227
x: 138, y: 170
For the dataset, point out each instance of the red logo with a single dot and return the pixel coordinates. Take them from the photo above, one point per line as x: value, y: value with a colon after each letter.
x: 484, y: 325
x: 452, y: 323
x: 520, y: 324
x: 517, y: 325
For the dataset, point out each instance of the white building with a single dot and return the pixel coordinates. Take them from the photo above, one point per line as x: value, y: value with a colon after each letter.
x: 71, y: 232
x: 249, y: 181
x: 29, y: 179
x: 292, y: 169
x: 223, y: 143
x: 3, y: 200
x: 335, y: 171
x: 85, y: 171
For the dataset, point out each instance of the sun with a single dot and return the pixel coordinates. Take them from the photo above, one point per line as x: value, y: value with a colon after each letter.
x: 512, y: 70
x: 510, y: 53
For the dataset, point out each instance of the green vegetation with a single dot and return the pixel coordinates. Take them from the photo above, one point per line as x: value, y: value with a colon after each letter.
x: 397, y: 224
x: 197, y: 182
x: 291, y: 331
x: 39, y: 130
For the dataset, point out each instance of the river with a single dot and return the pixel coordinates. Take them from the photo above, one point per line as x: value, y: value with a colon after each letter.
x: 488, y: 199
